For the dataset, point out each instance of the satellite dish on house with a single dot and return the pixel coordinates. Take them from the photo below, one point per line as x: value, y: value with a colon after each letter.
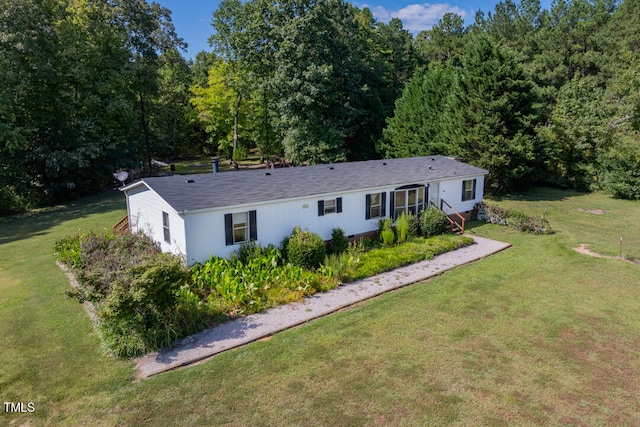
x: 121, y: 176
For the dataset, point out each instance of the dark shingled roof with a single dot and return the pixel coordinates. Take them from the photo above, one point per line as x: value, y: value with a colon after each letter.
x: 190, y: 192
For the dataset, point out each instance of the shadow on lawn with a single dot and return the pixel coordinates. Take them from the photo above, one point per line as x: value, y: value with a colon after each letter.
x: 539, y: 194
x: 470, y: 225
x: 40, y: 221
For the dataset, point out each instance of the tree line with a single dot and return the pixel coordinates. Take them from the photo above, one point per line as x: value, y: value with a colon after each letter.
x: 547, y: 96
x: 87, y: 87
x: 533, y: 95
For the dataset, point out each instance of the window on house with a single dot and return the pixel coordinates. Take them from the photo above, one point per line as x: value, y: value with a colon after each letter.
x: 240, y: 227
x: 468, y: 189
x: 329, y: 206
x: 408, y: 200
x: 165, y: 227
x: 375, y: 205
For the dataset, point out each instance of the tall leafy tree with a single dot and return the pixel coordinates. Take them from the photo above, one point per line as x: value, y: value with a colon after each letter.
x: 619, y: 170
x: 173, y: 119
x: 579, y: 134
x: 66, y: 111
x: 148, y: 32
x: 68, y: 108
x: 392, y: 53
x: 322, y: 86
x: 326, y: 69
x: 218, y: 108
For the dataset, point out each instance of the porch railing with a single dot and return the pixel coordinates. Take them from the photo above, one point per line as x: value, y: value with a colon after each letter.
x: 122, y: 226
x: 456, y: 223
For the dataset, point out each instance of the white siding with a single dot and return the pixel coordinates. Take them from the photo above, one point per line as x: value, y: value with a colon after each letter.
x: 451, y: 192
x: 205, y: 231
x: 145, y: 215
x: 198, y: 235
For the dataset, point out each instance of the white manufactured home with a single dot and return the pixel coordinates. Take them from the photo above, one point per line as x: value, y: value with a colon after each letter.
x: 213, y: 214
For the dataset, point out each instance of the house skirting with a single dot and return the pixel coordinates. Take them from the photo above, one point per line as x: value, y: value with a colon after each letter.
x: 467, y: 215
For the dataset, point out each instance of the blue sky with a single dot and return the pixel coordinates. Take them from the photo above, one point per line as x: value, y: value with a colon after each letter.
x: 192, y: 18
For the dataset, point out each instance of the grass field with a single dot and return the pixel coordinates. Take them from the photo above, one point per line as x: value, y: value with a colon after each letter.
x: 535, y: 335
x: 204, y: 165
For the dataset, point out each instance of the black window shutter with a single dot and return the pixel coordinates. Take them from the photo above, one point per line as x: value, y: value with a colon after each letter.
x: 320, y: 207
x: 474, y: 188
x: 253, y: 226
x: 339, y: 204
x: 463, y: 190
x: 383, y: 204
x: 367, y: 212
x: 228, y: 229
x: 392, y: 202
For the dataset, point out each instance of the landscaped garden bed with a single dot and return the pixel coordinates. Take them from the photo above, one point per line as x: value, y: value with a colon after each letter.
x: 145, y: 299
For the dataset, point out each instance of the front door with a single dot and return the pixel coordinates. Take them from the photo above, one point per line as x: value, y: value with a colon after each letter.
x: 434, y: 193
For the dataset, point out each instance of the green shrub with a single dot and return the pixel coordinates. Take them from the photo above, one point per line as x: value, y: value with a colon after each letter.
x: 387, y: 235
x: 382, y: 224
x: 414, y: 226
x: 339, y: 242
x: 250, y: 250
x: 341, y: 266
x: 241, y: 153
x: 433, y: 221
x: 402, y: 226
x: 122, y: 338
x: 367, y: 244
x: 142, y: 315
x: 305, y: 249
x: 67, y: 250
x: 136, y: 290
x: 621, y: 167
x: 387, y: 258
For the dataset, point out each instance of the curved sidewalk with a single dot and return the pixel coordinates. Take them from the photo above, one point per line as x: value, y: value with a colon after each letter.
x: 251, y: 328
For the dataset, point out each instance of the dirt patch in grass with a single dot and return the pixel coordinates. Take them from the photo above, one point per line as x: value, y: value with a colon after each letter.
x: 583, y: 248
x: 593, y: 211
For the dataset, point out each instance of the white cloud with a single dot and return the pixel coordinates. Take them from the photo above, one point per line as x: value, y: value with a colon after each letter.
x: 416, y: 17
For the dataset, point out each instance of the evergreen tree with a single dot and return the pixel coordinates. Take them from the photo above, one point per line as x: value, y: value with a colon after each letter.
x: 578, y: 134
x: 416, y: 129
x: 492, y: 116
x: 444, y: 42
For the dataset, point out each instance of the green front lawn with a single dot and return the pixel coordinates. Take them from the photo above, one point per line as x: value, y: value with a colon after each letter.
x: 538, y: 334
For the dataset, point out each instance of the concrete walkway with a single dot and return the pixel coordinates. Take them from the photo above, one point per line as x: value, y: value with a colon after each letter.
x: 251, y: 328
